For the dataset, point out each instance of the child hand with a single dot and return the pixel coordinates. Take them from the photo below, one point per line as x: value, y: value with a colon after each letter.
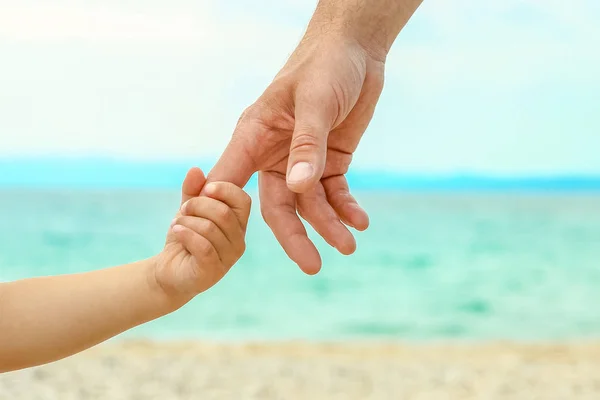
x: 206, y: 238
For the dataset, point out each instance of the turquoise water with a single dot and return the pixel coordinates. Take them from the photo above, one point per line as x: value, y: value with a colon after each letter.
x: 432, y: 266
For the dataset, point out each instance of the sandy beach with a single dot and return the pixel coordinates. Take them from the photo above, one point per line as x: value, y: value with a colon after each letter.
x: 191, y: 370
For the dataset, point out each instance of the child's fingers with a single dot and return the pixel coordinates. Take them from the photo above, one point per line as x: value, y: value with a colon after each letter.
x: 217, y: 212
x: 238, y: 200
x: 200, y: 247
x: 192, y: 184
x: 209, y: 230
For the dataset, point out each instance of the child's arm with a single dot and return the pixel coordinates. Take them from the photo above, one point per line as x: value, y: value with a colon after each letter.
x: 46, y: 319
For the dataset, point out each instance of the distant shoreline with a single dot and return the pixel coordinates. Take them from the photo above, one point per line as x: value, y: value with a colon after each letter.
x: 75, y: 173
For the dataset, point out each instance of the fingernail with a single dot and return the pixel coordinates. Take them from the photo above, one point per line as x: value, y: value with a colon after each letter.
x: 173, y: 222
x: 177, y: 228
x: 183, y: 207
x: 210, y: 188
x: 300, y: 172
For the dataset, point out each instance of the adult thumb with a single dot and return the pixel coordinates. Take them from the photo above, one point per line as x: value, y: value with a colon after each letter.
x: 308, y: 149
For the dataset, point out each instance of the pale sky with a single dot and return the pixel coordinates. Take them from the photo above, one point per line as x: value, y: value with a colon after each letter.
x: 506, y: 86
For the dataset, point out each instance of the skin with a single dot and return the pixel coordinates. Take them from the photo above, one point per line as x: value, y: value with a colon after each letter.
x: 301, y: 133
x: 46, y: 319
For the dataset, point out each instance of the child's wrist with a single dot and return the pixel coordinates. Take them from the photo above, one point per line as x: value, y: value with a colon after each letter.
x: 166, y: 300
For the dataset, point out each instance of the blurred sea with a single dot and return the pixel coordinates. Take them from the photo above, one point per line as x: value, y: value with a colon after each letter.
x: 432, y: 266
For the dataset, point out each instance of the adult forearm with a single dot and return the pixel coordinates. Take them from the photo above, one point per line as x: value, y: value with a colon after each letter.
x: 46, y: 319
x: 373, y: 23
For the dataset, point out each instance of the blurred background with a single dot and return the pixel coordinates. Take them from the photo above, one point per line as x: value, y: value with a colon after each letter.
x: 480, y: 169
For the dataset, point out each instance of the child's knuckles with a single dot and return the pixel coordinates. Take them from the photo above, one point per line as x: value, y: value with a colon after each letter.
x: 238, y: 248
x: 216, y: 264
x: 187, y: 238
x: 191, y: 206
x: 208, y: 249
x: 218, y: 190
x: 200, y: 246
x: 231, y: 191
x: 176, y: 220
x: 223, y: 213
x: 185, y: 222
x: 206, y: 227
x: 224, y: 267
x: 211, y: 189
x: 227, y: 188
x: 241, y: 248
x: 222, y: 188
x: 246, y: 203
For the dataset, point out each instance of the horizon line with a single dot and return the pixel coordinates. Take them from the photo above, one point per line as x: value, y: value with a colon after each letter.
x: 106, y: 172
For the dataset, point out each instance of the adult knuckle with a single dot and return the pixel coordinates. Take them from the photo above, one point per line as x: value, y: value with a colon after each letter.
x: 301, y: 210
x: 304, y: 141
x: 266, y: 212
x: 243, y: 115
x: 338, y: 163
x: 339, y: 197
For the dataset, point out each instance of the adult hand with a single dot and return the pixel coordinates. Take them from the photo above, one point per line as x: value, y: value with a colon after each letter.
x: 308, y: 123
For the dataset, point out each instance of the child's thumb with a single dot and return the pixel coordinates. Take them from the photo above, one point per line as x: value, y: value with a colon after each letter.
x: 192, y: 184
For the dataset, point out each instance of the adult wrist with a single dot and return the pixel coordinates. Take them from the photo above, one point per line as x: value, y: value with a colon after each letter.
x: 373, y: 24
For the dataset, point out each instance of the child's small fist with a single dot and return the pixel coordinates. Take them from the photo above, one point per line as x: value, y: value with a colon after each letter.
x: 213, y: 228
x: 206, y: 238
